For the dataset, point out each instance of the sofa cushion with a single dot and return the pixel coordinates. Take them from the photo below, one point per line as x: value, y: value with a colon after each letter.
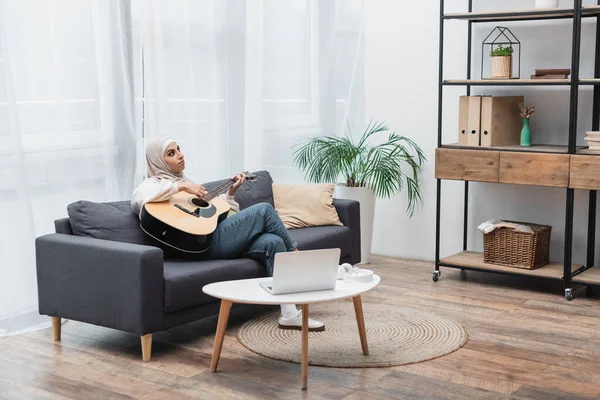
x: 184, y: 279
x: 251, y: 193
x: 110, y: 221
x: 305, y: 205
x: 259, y: 191
x: 323, y: 237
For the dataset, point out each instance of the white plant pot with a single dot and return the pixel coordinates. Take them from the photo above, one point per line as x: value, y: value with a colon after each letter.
x: 366, y: 198
x: 546, y: 3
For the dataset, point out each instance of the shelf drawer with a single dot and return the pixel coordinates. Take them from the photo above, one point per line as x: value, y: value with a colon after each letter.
x: 534, y: 169
x: 584, y: 172
x: 467, y: 165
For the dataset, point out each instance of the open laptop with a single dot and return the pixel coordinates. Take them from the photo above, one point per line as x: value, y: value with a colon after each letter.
x: 303, y: 271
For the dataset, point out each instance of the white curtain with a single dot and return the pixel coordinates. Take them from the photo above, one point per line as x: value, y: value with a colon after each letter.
x: 84, y: 83
x: 180, y: 66
x: 304, y: 77
x: 66, y: 129
x: 237, y: 82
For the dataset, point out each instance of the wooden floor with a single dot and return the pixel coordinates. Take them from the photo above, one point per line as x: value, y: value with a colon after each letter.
x: 525, y: 342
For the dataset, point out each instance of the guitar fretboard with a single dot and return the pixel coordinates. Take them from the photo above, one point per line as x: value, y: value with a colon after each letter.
x: 219, y: 190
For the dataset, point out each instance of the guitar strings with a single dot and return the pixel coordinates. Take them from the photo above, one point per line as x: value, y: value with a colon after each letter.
x: 220, y: 189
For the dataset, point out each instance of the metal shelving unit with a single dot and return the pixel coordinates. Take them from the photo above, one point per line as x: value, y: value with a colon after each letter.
x: 468, y: 260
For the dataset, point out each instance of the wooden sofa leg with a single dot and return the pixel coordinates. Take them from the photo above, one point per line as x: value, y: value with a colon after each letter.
x: 56, y: 328
x: 146, y: 347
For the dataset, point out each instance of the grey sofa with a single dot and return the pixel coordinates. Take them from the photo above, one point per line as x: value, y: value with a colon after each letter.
x: 100, y: 268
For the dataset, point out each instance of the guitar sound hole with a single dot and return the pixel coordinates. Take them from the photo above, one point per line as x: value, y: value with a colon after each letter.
x: 200, y: 203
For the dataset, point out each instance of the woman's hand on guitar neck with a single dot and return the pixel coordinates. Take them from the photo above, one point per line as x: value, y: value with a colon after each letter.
x: 192, y: 188
x: 239, y: 180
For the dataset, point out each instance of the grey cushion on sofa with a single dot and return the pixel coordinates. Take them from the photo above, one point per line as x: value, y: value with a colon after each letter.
x: 323, y: 237
x: 259, y: 191
x: 184, y: 279
x: 110, y: 221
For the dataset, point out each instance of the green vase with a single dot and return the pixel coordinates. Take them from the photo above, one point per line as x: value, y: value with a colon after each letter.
x: 526, y: 133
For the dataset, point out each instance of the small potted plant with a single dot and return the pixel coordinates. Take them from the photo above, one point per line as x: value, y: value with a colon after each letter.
x: 502, y: 62
x: 526, y: 113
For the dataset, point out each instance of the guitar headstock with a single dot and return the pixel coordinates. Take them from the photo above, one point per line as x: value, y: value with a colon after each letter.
x: 250, y: 177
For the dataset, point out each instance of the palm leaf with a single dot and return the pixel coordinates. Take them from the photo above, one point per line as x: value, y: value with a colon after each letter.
x: 387, y: 168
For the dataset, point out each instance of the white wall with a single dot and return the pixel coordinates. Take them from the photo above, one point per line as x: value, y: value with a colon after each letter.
x: 401, y: 74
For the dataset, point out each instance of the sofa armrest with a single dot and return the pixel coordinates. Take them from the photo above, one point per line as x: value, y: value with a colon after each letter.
x: 349, y: 213
x: 101, y: 282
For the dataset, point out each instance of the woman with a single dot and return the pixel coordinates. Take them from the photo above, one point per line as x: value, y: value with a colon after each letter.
x: 256, y: 232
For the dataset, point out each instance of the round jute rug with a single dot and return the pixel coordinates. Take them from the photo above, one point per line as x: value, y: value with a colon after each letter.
x: 395, y: 336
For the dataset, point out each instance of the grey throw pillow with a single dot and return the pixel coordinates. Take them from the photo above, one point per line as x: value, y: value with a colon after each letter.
x: 114, y: 221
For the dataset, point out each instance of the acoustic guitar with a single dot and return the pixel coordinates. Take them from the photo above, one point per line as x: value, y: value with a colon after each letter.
x: 186, y: 222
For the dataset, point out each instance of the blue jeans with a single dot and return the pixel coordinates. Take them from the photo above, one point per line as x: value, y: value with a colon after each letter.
x: 255, y: 232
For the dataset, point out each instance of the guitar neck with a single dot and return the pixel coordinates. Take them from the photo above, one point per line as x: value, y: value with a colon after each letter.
x: 219, y: 190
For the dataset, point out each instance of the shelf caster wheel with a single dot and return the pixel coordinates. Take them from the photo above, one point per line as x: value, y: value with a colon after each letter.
x: 568, y: 294
x: 436, y: 275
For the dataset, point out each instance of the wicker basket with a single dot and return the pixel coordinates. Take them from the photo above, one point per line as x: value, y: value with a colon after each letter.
x: 512, y: 248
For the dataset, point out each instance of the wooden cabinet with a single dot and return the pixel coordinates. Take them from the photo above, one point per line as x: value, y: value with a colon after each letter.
x: 537, y: 169
x: 534, y: 169
x: 467, y: 165
x: 521, y: 168
x: 585, y: 172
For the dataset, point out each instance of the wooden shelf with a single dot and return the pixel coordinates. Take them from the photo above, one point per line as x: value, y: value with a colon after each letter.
x: 520, y: 82
x: 542, y: 148
x: 591, y: 11
x: 591, y: 276
x: 523, y: 15
x: 589, y: 81
x: 513, y: 15
x: 586, y: 151
x: 507, y: 82
x: 474, y: 260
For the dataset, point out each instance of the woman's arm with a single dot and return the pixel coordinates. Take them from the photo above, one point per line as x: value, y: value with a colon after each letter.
x: 229, y: 196
x: 152, y: 190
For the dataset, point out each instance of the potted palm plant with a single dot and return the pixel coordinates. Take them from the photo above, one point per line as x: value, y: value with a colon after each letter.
x: 369, y: 171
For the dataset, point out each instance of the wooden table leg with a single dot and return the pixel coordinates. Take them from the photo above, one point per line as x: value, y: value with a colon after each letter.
x: 360, y: 319
x: 220, y: 335
x: 304, y: 346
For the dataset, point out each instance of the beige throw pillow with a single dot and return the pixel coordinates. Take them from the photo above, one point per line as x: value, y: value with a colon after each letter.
x: 304, y: 205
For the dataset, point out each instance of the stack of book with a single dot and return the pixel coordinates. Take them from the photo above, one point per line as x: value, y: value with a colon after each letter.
x: 551, y: 73
x: 593, y: 140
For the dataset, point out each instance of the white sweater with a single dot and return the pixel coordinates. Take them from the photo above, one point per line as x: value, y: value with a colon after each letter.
x: 152, y: 190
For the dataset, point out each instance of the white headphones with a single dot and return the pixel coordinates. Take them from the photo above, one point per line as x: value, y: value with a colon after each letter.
x: 347, y: 272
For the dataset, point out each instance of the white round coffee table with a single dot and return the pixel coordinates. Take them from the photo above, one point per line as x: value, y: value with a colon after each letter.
x: 248, y: 291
